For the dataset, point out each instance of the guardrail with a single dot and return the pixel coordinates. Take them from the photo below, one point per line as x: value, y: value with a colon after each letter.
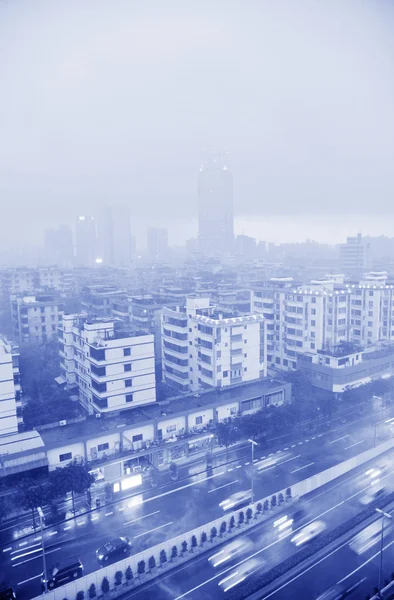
x: 153, y: 561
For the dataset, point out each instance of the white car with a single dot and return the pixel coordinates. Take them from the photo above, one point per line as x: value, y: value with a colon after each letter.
x: 236, y: 500
x: 371, y: 495
x: 368, y: 537
x: 308, y: 533
x: 240, y: 574
x: 235, y: 548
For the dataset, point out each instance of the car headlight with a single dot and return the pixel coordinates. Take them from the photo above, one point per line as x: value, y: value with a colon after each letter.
x: 100, y: 556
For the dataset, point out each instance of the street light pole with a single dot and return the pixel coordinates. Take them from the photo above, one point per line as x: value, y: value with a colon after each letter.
x: 41, y: 515
x: 253, y: 443
x: 388, y: 516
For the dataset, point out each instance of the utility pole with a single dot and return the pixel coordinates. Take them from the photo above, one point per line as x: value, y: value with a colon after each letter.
x: 41, y: 515
x: 388, y: 516
x: 253, y: 443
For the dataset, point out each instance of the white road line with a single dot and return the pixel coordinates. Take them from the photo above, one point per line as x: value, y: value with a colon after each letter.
x: 7, y: 549
x: 27, y: 548
x: 339, y: 439
x: 23, y: 544
x: 223, y: 486
x: 286, y: 448
x: 80, y: 523
x: 314, y: 437
x: 140, y: 518
x: 150, y: 530
x: 271, y: 454
x: 304, y: 467
x: 247, y: 463
x: 67, y: 528
x: 263, y: 457
x: 356, y: 444
x: 306, y: 441
x: 293, y: 446
x: 255, y: 459
x: 95, y: 518
x: 27, y: 580
x: 26, y: 554
x: 292, y: 458
x: 229, y: 470
x: 365, y: 563
x: 183, y: 487
x: 121, y: 509
x: 37, y: 539
x: 52, y: 533
x: 300, y: 443
x: 238, y: 467
x: 34, y: 557
x: 319, y: 435
x: 278, y: 451
x: 108, y: 514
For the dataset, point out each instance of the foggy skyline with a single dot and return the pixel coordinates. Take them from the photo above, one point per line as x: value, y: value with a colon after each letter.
x: 117, y: 103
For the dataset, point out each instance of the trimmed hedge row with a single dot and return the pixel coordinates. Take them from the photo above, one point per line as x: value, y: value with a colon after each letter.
x: 259, y: 582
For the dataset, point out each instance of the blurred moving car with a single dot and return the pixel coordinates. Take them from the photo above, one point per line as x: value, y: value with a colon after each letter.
x: 308, y: 533
x: 115, y: 549
x: 283, y: 524
x: 235, y: 548
x: 341, y: 591
x: 372, y: 495
x: 66, y: 570
x: 236, y: 500
x: 368, y: 537
x: 240, y: 574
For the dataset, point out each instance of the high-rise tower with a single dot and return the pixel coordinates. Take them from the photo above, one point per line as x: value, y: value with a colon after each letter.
x: 215, y: 206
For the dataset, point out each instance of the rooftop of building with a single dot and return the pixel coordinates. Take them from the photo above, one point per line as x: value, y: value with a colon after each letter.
x: 29, y: 299
x: 93, y: 426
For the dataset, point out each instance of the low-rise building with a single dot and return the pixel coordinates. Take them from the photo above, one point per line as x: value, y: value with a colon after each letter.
x: 10, y: 389
x: 112, y: 367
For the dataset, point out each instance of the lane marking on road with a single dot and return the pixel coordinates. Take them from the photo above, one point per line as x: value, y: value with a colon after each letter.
x: 108, y: 514
x: 306, y: 441
x: 121, y: 509
x: 238, y: 467
x: 356, y: 444
x: 67, y: 528
x: 38, y: 539
x: 341, y: 438
x: 263, y: 457
x: 304, y: 467
x: 271, y: 454
x: 300, y: 443
x: 255, y: 459
x: 80, y: 523
x: 27, y: 548
x: 52, y: 533
x: 95, y: 518
x: 247, y: 463
x: 143, y: 517
x: 278, y: 451
x: 288, y: 459
x: 365, y: 563
x: 39, y: 549
x: 293, y: 446
x: 150, y: 530
x: 286, y: 448
x: 229, y: 470
x: 223, y: 486
x: 23, y: 544
x: 7, y: 549
x: 314, y: 437
x: 34, y: 557
x: 27, y: 580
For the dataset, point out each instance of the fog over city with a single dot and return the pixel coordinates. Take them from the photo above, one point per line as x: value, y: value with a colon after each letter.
x: 197, y: 300
x: 117, y: 102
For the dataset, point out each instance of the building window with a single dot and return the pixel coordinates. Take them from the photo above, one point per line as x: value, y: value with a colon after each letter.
x: 102, y: 447
x: 225, y: 373
x: 129, y: 397
x: 64, y: 457
x: 313, y: 323
x: 198, y: 420
x: 245, y: 356
x: 97, y: 354
x: 245, y: 369
x: 313, y: 311
x: 126, y: 351
x: 137, y: 438
x: 171, y: 428
x: 127, y: 367
x: 312, y: 345
x: 128, y: 382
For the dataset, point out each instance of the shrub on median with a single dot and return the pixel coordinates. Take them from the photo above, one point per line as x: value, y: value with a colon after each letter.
x: 105, y: 586
x: 118, y: 577
x: 129, y: 574
x: 163, y: 557
x: 92, y: 591
x: 174, y: 552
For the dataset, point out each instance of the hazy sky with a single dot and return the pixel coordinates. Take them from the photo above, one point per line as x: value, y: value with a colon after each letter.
x: 116, y: 101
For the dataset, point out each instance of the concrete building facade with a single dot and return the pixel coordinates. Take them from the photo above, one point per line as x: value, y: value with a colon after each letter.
x: 35, y: 318
x: 10, y: 390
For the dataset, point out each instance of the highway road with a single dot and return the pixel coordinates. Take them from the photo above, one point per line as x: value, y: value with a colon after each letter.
x: 334, y: 504
x: 156, y: 515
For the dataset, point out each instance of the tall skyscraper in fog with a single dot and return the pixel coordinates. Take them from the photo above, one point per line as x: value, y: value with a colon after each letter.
x: 215, y: 206
x: 114, y: 235
x: 59, y: 246
x: 85, y: 241
x: 157, y: 242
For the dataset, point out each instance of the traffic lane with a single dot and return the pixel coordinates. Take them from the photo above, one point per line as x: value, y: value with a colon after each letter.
x: 202, y: 581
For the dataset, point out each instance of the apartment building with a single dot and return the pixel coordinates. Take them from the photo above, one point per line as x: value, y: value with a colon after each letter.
x: 355, y: 256
x: 104, y: 301
x: 35, y: 317
x: 10, y: 390
x: 301, y: 318
x: 205, y: 348
x: 112, y: 367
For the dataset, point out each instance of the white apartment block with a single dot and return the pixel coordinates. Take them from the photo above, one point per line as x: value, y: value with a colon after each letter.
x: 112, y: 368
x: 35, y: 317
x: 204, y: 348
x: 372, y: 310
x: 301, y: 318
x: 10, y: 402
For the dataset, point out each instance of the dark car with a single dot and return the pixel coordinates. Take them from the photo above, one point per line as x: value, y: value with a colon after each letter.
x: 62, y: 572
x: 115, y: 549
x: 7, y: 592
